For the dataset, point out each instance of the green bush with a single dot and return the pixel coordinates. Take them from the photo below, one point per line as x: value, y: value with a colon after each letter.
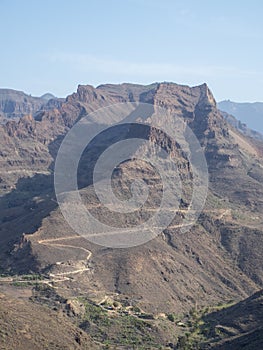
x: 171, y: 317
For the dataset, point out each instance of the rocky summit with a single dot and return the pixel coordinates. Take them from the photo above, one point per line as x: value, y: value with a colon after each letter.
x: 179, y: 289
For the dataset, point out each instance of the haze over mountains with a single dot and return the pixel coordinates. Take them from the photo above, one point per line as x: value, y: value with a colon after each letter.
x: 250, y: 114
x: 217, y: 261
x: 16, y: 104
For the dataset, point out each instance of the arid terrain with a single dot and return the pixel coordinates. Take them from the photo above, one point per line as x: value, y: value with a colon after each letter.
x: 198, y: 289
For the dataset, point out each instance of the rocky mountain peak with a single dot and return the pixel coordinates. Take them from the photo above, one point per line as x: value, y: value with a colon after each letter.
x: 206, y: 96
x: 48, y: 96
x: 84, y: 94
x: 217, y: 260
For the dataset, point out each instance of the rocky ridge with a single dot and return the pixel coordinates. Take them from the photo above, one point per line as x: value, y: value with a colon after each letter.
x: 218, y: 260
x: 16, y: 104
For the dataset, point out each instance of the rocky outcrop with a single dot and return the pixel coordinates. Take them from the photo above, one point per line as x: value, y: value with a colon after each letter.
x: 208, y: 260
x: 16, y: 104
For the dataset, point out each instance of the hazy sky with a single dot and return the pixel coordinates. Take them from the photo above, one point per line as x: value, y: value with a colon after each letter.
x: 54, y: 45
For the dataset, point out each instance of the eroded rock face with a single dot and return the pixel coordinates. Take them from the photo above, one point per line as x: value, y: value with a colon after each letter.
x: 15, y: 104
x: 75, y: 308
x: 207, y: 264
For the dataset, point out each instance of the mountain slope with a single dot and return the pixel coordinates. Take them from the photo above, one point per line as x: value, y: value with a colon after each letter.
x: 16, y: 104
x: 27, y: 325
x: 218, y: 259
x: 242, y: 128
x: 239, y: 326
x: 250, y: 114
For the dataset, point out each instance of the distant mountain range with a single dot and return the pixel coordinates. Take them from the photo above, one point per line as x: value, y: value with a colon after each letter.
x: 242, y: 127
x: 48, y: 96
x: 250, y: 114
x: 16, y: 104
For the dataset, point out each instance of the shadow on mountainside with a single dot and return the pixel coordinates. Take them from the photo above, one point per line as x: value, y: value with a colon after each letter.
x: 22, y: 211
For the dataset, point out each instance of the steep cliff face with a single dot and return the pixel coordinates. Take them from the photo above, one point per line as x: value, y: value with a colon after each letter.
x: 16, y: 104
x: 34, y: 141
x: 214, y: 261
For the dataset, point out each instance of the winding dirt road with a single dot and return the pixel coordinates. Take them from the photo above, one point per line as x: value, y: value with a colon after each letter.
x: 63, y: 276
